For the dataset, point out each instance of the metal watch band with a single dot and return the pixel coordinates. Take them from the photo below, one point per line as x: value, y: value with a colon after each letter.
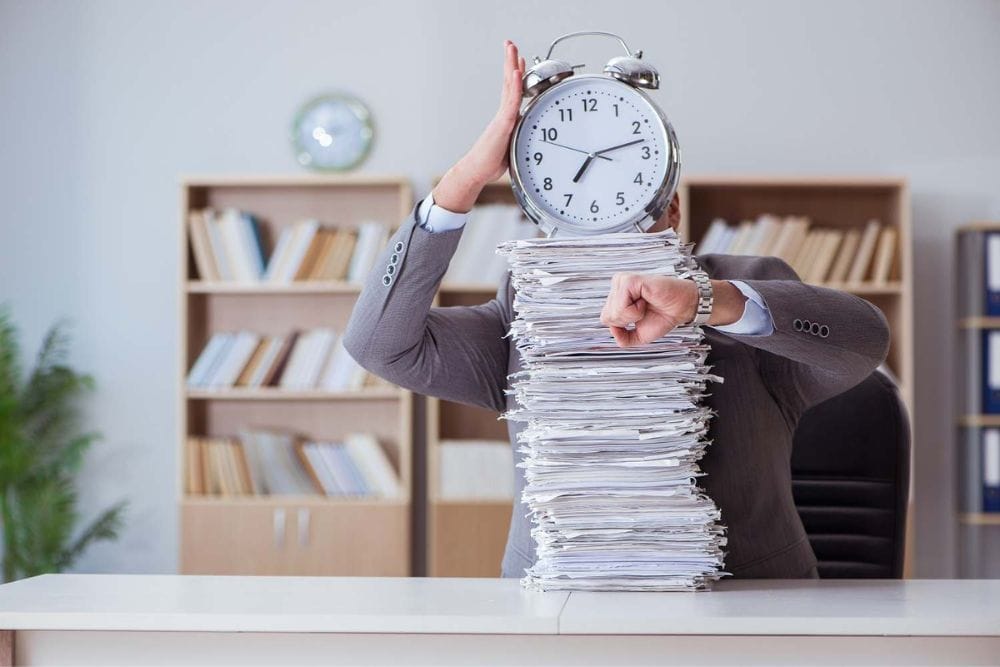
x: 705, y: 298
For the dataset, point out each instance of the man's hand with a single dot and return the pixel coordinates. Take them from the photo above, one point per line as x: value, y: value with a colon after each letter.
x: 487, y: 160
x: 656, y: 305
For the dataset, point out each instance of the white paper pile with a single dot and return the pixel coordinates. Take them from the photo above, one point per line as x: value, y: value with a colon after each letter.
x: 613, y: 435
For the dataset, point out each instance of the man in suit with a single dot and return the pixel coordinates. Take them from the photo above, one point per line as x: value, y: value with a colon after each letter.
x: 782, y: 346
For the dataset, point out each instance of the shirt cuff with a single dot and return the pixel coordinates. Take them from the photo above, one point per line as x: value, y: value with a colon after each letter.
x: 433, y: 218
x: 756, y: 319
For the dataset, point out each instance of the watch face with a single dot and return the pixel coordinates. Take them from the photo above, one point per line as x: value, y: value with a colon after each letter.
x: 332, y: 133
x: 592, y: 155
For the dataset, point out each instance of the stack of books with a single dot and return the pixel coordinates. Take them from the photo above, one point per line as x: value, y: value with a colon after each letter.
x: 613, y: 435
x: 314, y: 359
x: 270, y: 463
x: 475, y: 470
x: 228, y: 246
x: 818, y: 255
x: 475, y: 261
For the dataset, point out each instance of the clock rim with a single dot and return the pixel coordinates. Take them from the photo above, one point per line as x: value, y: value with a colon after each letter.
x: 349, y: 99
x: 649, y: 214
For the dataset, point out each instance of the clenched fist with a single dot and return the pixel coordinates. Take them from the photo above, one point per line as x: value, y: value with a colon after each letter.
x: 655, y: 305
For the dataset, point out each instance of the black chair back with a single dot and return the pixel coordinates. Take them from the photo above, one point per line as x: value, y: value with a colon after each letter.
x: 851, y: 480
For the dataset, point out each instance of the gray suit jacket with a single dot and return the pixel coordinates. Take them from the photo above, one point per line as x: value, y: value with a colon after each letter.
x: 460, y: 354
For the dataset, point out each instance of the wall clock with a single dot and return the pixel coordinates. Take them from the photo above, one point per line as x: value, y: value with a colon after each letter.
x: 593, y: 153
x: 332, y: 132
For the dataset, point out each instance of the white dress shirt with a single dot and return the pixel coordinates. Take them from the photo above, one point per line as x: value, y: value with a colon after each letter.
x: 755, y: 321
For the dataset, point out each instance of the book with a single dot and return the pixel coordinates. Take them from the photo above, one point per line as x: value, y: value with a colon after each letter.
x: 991, y: 371
x: 279, y: 253
x: 236, y: 356
x: 884, y: 256
x: 475, y: 470
x: 339, y: 260
x: 789, y: 242
x: 831, y: 240
x: 866, y: 249
x: 194, y: 478
x: 311, y: 256
x: 371, y: 238
x: 992, y: 273
x: 201, y: 247
x: 991, y: 470
x: 370, y: 458
x: 845, y: 256
x: 807, y: 253
x: 273, y: 376
x: 273, y: 463
x: 243, y: 380
x: 713, y: 237
x: 327, y: 238
x: 201, y: 369
x: 222, y: 260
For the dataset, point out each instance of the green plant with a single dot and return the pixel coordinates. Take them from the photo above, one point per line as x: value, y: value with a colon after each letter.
x: 41, y: 450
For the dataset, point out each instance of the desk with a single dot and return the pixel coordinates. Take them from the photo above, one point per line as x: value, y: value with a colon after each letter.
x: 163, y: 619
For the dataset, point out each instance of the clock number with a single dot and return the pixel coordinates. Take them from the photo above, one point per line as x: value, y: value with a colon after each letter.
x: 635, y: 127
x: 594, y: 208
x: 549, y: 134
x: 638, y: 178
x: 569, y: 198
x: 566, y: 115
x: 538, y: 158
x: 547, y: 184
x: 620, y: 198
x: 589, y: 104
x: 616, y: 110
x: 645, y: 152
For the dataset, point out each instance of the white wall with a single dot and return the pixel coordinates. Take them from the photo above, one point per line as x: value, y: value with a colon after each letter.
x: 103, y: 105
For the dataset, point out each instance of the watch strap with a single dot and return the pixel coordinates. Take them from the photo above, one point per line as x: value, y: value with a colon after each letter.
x: 705, y: 298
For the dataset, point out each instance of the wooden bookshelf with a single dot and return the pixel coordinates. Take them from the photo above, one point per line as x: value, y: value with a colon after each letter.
x: 465, y: 537
x: 289, y: 535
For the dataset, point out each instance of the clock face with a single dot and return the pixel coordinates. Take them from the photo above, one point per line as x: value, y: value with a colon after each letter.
x: 332, y: 133
x: 591, y: 154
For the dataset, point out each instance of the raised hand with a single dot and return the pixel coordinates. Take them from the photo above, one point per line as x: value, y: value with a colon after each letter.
x: 487, y: 160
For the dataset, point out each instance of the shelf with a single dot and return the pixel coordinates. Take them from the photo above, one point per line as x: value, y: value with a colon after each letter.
x: 301, y: 287
x: 980, y: 518
x: 373, y: 394
x: 980, y: 322
x: 979, y: 420
x: 283, y: 501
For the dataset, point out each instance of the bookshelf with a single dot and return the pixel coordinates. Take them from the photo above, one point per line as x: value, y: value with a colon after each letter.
x: 289, y: 535
x: 465, y: 537
x: 978, y: 529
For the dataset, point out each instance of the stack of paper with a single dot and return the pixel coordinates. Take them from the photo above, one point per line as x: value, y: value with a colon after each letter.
x: 613, y: 435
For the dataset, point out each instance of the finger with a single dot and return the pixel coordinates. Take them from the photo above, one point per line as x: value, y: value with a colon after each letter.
x: 623, y: 302
x: 520, y: 64
x: 624, y: 337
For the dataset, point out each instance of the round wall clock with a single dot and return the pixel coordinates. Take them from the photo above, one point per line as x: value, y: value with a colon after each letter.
x: 332, y: 132
x: 593, y: 153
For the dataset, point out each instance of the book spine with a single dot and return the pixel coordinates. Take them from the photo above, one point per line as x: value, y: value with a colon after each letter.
x: 991, y: 470
x: 992, y: 273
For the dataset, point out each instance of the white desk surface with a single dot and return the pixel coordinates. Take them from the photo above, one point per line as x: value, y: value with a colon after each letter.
x: 496, y: 606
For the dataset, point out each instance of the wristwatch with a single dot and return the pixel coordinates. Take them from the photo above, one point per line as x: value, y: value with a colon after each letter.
x: 705, y: 298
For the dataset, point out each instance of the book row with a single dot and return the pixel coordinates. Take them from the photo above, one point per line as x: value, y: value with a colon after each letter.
x: 818, y: 255
x: 262, y: 462
x: 981, y: 463
x: 229, y: 245
x: 475, y: 470
x: 300, y: 360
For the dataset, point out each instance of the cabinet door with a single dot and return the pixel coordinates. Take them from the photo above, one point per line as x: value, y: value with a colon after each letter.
x: 222, y: 538
x: 357, y: 539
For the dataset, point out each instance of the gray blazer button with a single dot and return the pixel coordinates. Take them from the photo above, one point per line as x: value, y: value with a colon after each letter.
x: 824, y: 331
x: 814, y: 328
x: 797, y: 324
x: 393, y: 258
x: 387, y: 280
x: 399, y: 246
x: 389, y: 270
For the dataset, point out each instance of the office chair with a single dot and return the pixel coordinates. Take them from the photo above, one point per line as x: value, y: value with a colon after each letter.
x: 851, y: 480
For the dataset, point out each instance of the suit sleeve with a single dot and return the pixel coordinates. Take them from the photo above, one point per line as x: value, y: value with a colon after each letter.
x: 457, y: 353
x: 824, y: 341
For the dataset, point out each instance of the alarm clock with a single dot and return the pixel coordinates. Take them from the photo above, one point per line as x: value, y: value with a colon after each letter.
x: 332, y: 132
x: 592, y: 153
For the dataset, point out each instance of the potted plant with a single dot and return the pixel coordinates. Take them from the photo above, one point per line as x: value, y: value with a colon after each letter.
x: 41, y: 450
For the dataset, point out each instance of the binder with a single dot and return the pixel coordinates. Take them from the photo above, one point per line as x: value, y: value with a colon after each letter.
x: 991, y: 372
x: 992, y: 286
x: 991, y: 470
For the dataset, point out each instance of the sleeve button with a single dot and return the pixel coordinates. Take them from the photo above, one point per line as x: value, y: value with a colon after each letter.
x: 398, y: 247
x: 814, y: 328
x: 797, y: 324
x: 389, y: 270
x: 393, y: 258
x: 824, y: 331
x: 387, y: 280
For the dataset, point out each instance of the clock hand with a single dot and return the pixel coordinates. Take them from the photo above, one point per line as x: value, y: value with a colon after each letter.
x: 614, y: 148
x: 578, y: 150
x: 583, y: 168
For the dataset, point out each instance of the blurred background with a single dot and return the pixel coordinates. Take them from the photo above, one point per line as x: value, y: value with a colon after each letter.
x: 105, y: 106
